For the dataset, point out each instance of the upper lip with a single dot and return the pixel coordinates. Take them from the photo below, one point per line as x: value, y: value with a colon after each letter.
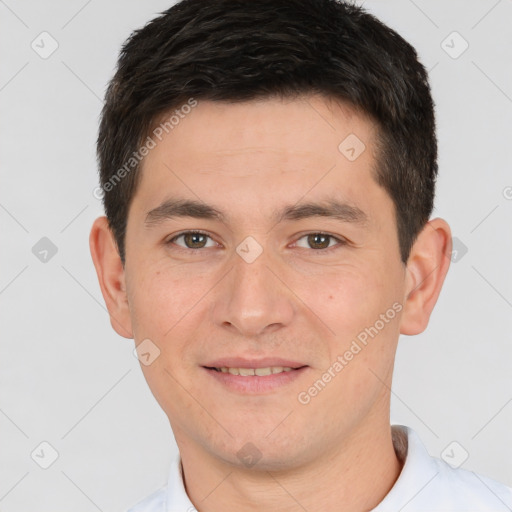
x: 241, y: 362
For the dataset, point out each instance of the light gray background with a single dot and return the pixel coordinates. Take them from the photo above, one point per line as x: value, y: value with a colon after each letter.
x: 68, y: 379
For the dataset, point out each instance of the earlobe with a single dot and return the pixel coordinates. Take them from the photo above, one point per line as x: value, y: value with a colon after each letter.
x: 111, y: 276
x: 427, y: 267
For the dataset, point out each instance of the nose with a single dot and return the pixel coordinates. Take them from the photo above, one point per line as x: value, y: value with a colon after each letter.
x: 252, y: 299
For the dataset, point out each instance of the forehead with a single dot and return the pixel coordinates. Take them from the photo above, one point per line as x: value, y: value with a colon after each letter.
x: 306, y: 125
x: 255, y: 153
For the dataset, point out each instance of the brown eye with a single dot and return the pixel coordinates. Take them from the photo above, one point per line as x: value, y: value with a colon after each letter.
x: 191, y: 239
x: 321, y: 241
x: 318, y: 241
x: 194, y: 240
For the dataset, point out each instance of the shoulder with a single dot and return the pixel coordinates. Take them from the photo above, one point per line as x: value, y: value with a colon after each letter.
x: 155, y: 502
x: 467, y: 490
x: 429, y: 484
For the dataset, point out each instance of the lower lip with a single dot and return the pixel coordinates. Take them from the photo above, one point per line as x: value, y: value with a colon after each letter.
x: 256, y: 384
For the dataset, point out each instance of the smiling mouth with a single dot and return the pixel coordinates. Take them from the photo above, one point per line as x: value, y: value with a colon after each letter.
x: 253, y: 372
x: 252, y: 378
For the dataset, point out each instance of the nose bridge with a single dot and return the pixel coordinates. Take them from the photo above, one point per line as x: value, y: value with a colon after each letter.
x: 252, y: 298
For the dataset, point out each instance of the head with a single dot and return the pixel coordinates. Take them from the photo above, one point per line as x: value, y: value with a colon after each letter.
x: 299, y: 139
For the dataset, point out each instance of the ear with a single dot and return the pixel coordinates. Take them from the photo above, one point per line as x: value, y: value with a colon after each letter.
x: 110, y: 271
x: 427, y: 267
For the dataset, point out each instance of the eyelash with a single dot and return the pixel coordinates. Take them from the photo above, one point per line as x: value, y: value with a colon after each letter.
x: 341, y: 242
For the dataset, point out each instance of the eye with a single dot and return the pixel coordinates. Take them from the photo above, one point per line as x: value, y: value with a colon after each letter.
x: 192, y: 240
x: 321, y: 241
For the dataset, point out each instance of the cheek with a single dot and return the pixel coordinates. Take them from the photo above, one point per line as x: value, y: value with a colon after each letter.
x: 159, y: 299
x: 347, y: 300
x: 360, y: 309
x: 148, y: 305
x: 162, y: 307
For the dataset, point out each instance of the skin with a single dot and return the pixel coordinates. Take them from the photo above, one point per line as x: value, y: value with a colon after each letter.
x: 291, y: 302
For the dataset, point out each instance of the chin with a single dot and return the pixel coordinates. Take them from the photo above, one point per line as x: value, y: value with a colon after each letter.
x: 258, y: 453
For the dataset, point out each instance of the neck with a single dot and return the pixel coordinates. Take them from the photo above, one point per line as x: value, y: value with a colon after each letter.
x: 357, y: 475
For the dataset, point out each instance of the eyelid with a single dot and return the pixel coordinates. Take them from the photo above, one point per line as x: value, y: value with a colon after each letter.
x: 170, y: 241
x: 341, y: 241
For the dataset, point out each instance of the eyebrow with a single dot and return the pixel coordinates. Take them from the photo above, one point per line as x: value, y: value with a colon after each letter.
x: 330, y: 207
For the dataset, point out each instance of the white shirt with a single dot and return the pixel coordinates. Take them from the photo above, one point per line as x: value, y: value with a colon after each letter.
x: 425, y: 484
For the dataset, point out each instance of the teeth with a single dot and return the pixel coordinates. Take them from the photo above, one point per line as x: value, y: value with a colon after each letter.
x: 260, y: 372
x: 263, y: 371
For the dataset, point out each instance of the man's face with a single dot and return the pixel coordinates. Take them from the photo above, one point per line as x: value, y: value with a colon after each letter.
x: 257, y: 291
